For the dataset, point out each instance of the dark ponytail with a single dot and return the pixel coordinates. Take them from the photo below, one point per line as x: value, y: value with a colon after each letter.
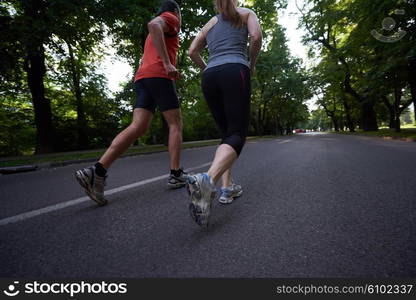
x: 168, y: 6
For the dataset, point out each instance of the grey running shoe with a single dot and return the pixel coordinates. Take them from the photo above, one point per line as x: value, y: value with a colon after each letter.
x: 175, y: 182
x: 93, y: 184
x: 228, y: 194
x: 202, y: 192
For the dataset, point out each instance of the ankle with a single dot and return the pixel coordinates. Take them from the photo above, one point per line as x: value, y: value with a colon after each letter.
x: 176, y: 173
x: 211, y: 179
x: 100, y: 170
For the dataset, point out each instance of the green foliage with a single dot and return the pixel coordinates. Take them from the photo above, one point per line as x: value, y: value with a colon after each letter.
x: 74, y: 34
x: 17, y: 132
x: 319, y: 121
x: 358, y: 72
x: 279, y: 89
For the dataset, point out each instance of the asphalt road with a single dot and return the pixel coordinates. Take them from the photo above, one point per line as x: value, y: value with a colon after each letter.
x: 313, y: 206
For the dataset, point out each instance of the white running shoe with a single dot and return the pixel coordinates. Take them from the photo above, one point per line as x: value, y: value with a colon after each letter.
x: 228, y: 194
x: 175, y: 182
x: 202, y: 192
x: 93, y: 184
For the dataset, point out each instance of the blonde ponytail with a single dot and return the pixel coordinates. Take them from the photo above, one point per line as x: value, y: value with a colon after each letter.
x: 228, y: 9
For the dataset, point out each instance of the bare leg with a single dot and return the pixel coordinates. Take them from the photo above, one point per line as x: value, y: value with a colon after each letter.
x: 174, y: 120
x: 226, y: 178
x: 224, y: 159
x: 138, y: 127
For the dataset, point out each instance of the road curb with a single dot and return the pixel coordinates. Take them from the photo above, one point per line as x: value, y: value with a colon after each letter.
x: 50, y: 165
x: 19, y: 169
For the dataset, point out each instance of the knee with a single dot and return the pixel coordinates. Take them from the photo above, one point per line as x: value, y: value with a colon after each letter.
x: 139, y: 127
x: 175, y: 127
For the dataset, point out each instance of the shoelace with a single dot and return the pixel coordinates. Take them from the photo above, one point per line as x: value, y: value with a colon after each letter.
x: 226, y: 192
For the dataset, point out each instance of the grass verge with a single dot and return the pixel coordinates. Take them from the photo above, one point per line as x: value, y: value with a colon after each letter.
x: 56, y: 159
x: 408, y: 134
x: 93, y: 155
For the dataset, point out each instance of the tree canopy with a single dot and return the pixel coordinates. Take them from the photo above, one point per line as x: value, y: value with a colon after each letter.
x: 55, y: 98
x: 366, y: 52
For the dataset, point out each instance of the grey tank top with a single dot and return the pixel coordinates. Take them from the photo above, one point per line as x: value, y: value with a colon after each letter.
x: 227, y: 44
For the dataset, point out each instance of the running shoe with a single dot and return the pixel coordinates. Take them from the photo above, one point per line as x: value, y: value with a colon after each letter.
x: 202, y: 192
x: 93, y: 184
x: 175, y: 182
x: 229, y: 193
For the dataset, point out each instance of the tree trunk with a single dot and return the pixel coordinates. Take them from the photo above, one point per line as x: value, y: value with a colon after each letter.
x: 264, y: 120
x: 397, y: 111
x: 336, y: 125
x: 281, y: 131
x: 36, y: 70
x: 259, y: 122
x: 391, y: 112
x: 369, y: 117
x: 331, y: 115
x: 414, y: 106
x: 392, y: 122
x: 278, y: 127
x: 255, y: 123
x: 81, y: 120
x: 334, y: 121
x: 42, y: 106
x: 397, y: 125
x: 350, y: 123
x: 368, y: 114
x: 412, y: 82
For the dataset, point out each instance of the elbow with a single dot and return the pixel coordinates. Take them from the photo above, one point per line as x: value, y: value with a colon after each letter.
x: 257, y: 39
x: 256, y: 36
x: 192, y: 52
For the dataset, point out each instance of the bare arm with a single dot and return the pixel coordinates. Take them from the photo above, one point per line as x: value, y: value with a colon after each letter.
x: 256, y: 37
x: 197, y: 46
x: 157, y: 28
x: 199, y: 43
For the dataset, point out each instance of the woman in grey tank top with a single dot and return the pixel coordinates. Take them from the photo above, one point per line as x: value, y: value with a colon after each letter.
x: 226, y: 87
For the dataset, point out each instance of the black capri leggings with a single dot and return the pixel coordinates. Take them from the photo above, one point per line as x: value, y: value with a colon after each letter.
x: 227, y: 90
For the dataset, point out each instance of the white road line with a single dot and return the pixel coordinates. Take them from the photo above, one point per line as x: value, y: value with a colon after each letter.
x: 59, y: 206
x: 285, y: 141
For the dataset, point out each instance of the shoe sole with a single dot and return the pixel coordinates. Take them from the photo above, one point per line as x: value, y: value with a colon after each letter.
x: 196, y: 215
x: 195, y: 210
x: 80, y: 177
x: 176, y: 185
x: 231, y: 199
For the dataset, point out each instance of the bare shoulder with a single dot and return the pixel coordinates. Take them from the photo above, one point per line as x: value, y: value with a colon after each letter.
x: 244, y: 10
x: 213, y: 20
x: 245, y: 13
x: 210, y: 24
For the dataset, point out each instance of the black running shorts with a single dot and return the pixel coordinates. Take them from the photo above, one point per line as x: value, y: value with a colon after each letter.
x: 152, y: 92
